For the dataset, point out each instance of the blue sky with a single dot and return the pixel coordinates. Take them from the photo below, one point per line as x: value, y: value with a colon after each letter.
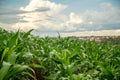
x: 47, y: 17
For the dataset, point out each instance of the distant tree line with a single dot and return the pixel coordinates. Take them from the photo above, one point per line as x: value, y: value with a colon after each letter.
x: 111, y: 40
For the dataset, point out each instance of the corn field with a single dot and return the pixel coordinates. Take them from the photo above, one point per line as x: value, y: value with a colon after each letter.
x: 27, y: 57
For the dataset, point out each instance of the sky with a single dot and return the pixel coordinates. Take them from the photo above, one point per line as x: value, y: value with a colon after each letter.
x: 68, y: 17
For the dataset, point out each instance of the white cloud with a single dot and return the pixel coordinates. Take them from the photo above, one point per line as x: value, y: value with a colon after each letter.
x: 106, y: 6
x: 44, y: 20
x: 33, y: 16
x: 74, y: 18
x: 63, y: 34
x: 106, y: 18
x: 93, y: 33
x: 53, y: 19
x: 108, y: 15
x: 5, y: 26
x: 90, y: 22
x: 40, y: 4
x: 25, y: 26
x: 73, y: 21
x: 44, y: 15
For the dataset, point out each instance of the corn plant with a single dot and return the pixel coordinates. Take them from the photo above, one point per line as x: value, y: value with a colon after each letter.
x: 24, y: 56
x: 9, y: 69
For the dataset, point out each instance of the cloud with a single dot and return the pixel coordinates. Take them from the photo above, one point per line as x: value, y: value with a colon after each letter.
x: 72, y: 22
x: 6, y: 26
x: 75, y: 18
x: 108, y: 15
x: 105, y: 19
x: 106, y: 6
x: 42, y: 15
x: 25, y: 26
x: 8, y: 14
x: 65, y: 34
x: 93, y: 33
x: 48, y: 17
x: 43, y: 4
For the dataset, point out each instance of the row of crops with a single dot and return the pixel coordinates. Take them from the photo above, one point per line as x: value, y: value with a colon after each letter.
x: 27, y: 57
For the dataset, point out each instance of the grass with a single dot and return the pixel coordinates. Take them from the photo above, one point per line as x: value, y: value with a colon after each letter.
x: 24, y: 56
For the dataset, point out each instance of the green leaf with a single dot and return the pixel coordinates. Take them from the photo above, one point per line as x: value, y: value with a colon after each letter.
x: 4, y: 53
x: 27, y: 34
x: 12, y: 58
x: 18, y: 69
x: 13, y: 40
x: 4, y: 70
